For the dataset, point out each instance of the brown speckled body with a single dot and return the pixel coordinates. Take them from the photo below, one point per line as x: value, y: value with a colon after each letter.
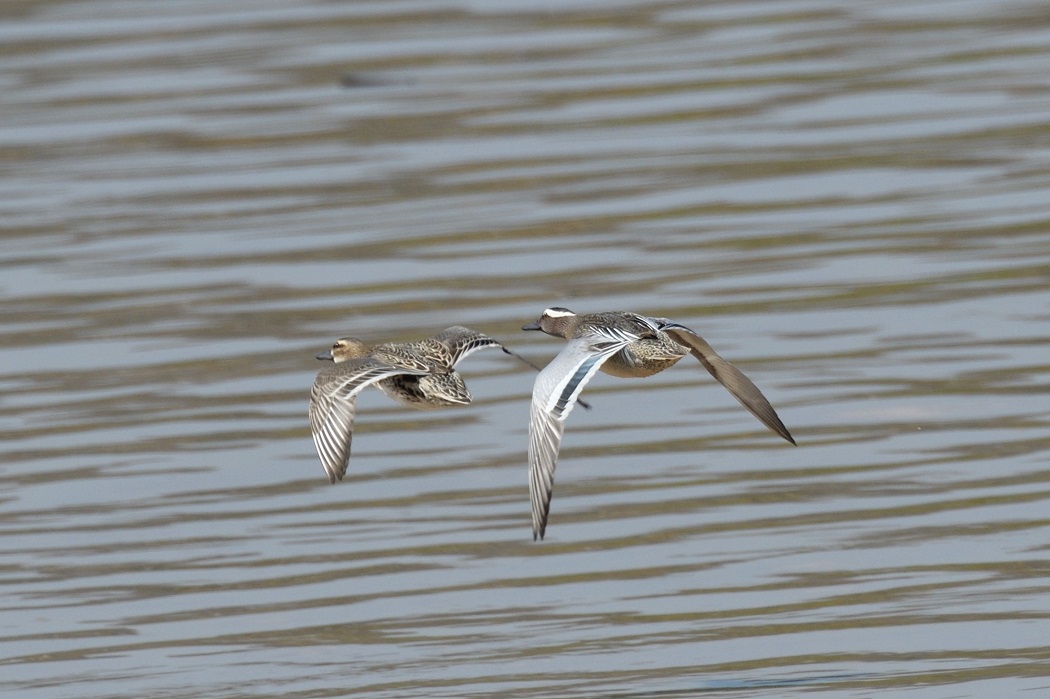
x: 442, y: 388
x: 420, y: 375
x: 644, y: 357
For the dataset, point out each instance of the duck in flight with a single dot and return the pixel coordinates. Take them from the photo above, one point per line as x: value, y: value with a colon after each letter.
x: 420, y: 375
x: 621, y: 344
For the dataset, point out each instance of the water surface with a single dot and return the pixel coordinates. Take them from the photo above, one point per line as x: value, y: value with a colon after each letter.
x: 847, y: 202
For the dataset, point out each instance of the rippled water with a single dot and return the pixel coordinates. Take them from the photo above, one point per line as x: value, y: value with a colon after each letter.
x: 849, y: 201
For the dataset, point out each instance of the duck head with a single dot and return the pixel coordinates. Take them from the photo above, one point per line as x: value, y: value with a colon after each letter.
x: 555, y: 321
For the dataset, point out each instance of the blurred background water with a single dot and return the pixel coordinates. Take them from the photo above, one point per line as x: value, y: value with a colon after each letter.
x: 848, y: 200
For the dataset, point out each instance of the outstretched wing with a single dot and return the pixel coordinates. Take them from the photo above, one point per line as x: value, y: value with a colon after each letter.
x: 462, y: 342
x: 333, y: 407
x: 553, y: 396
x: 729, y: 376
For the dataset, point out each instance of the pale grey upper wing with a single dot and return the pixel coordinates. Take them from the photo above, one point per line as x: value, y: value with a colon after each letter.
x: 553, y: 395
x: 729, y: 376
x: 333, y: 406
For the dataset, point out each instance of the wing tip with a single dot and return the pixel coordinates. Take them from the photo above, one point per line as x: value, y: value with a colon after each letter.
x: 774, y: 423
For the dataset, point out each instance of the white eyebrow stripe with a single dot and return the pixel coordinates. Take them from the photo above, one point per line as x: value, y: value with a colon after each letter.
x: 554, y: 313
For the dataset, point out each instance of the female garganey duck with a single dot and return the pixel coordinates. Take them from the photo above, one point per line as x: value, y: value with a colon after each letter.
x: 417, y: 374
x: 621, y: 344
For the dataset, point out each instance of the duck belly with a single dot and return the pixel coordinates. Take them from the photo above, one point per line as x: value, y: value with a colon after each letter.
x: 643, y: 358
x: 427, y: 392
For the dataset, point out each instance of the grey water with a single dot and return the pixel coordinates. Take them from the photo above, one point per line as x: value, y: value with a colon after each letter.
x: 847, y: 200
